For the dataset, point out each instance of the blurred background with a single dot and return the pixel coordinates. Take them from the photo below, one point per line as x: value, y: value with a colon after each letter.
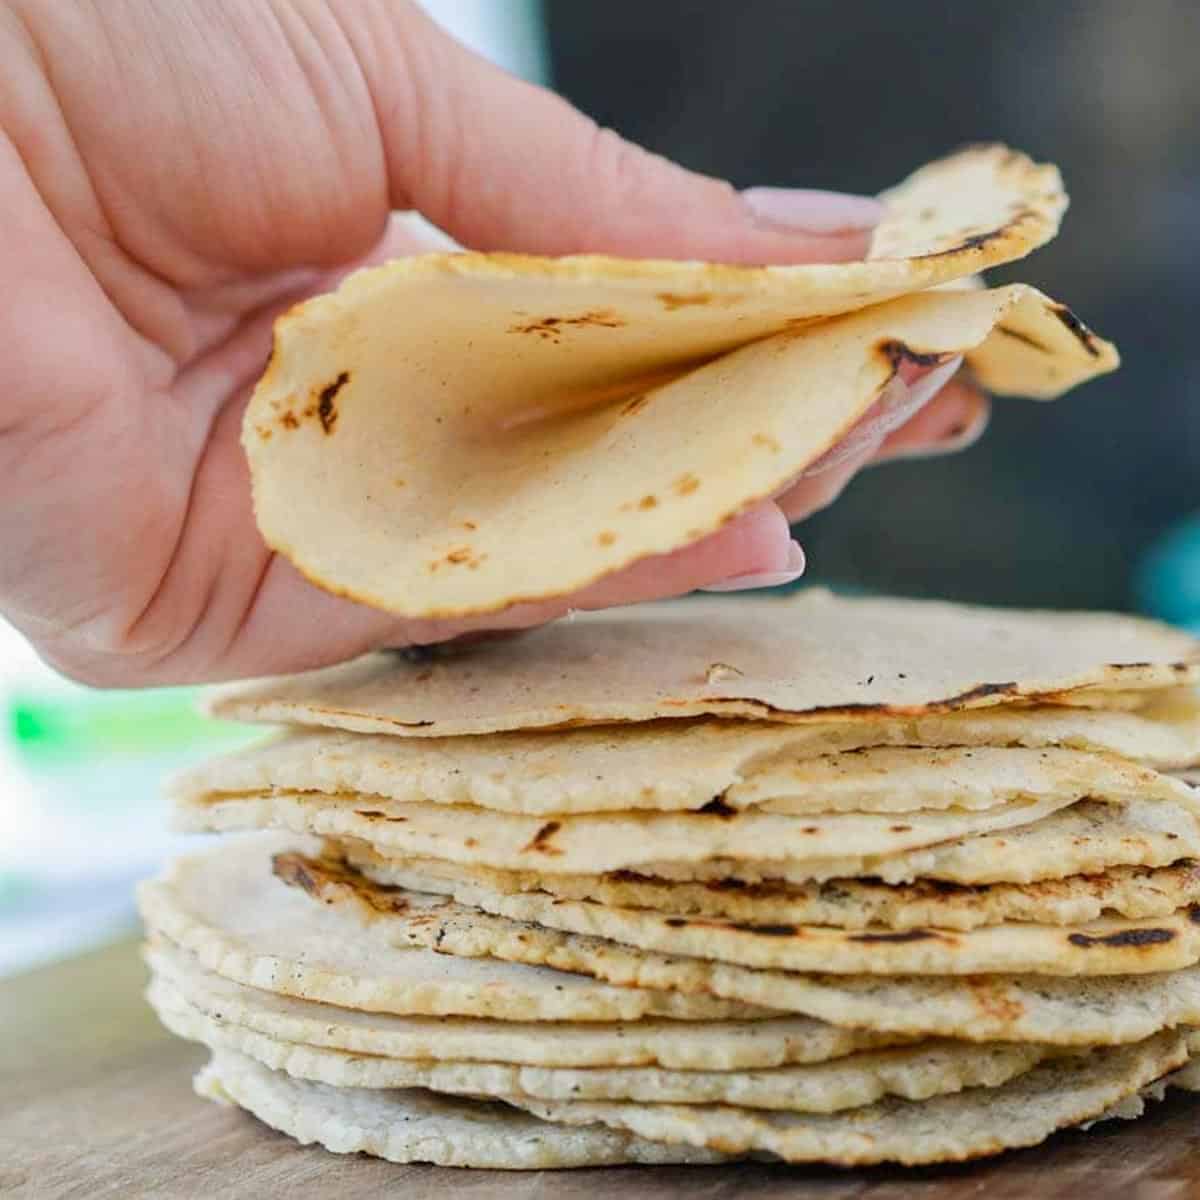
x: 1084, y: 503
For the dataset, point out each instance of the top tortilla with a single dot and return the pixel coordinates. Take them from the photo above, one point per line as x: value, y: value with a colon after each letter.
x: 811, y: 656
x: 455, y: 433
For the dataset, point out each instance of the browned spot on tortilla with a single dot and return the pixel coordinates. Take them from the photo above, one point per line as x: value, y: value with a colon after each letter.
x: 908, y: 935
x: 293, y: 870
x: 289, y: 420
x: 635, y: 405
x: 647, y: 502
x: 398, y: 482
x: 675, y: 300
x: 1024, y: 338
x: 471, y: 843
x: 373, y: 814
x: 1123, y: 938
x: 606, y: 537
x: 263, y: 432
x: 330, y: 880
x: 550, y: 328
x: 1077, y: 327
x: 768, y: 930
x: 326, y: 409
x: 901, y: 828
x: 460, y: 556
x: 686, y: 484
x: 994, y: 1003
x: 470, y: 526
x: 717, y: 807
x: 897, y: 352
x: 541, y: 840
x: 765, y: 439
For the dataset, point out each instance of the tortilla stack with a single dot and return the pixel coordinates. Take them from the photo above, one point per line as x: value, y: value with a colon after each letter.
x: 928, y: 927
x: 816, y: 878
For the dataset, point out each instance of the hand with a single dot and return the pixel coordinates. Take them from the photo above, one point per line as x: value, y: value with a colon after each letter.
x: 173, y: 176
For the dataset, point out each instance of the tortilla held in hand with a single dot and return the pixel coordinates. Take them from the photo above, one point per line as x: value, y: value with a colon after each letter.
x: 452, y: 434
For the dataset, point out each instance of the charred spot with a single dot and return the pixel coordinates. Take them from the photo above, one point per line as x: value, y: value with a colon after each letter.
x: 373, y: 814
x: 440, y: 938
x: 717, y: 807
x: 635, y: 405
x: 1024, y: 338
x: 907, y: 935
x: 728, y: 885
x: 1077, y: 327
x: 897, y: 352
x: 1194, y: 914
x: 943, y: 887
x: 540, y: 841
x: 289, y: 420
x: 901, y: 828
x: 980, y: 691
x: 1125, y: 937
x: 550, y: 328
x: 767, y: 930
x: 326, y: 409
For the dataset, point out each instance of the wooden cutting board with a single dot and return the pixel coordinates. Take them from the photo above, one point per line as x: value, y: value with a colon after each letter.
x: 95, y: 1102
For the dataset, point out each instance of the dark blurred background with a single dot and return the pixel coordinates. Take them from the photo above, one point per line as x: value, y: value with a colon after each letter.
x: 1058, y: 504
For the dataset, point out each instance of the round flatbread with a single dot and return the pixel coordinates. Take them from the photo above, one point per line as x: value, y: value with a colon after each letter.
x: 809, y: 656
x: 933, y: 1068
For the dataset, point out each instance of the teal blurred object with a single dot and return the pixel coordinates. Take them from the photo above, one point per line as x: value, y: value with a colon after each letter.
x: 1167, y: 580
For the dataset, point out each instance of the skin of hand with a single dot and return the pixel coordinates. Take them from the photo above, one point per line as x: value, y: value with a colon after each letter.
x: 172, y: 177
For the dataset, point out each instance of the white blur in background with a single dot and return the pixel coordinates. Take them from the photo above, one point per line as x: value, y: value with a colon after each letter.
x: 81, y: 811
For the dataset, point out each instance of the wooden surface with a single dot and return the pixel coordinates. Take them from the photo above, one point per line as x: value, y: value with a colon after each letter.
x: 95, y: 1101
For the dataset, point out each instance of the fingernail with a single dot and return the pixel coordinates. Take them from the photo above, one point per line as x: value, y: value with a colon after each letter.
x: 897, y: 404
x: 800, y: 210
x: 763, y: 579
x: 958, y: 437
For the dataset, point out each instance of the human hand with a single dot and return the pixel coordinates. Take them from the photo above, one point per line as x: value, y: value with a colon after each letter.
x: 172, y: 177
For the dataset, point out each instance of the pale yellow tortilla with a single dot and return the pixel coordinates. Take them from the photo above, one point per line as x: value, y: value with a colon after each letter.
x: 1133, y: 892
x: 1063, y: 1091
x: 594, y: 842
x: 681, y: 766
x: 931, y: 1068
x: 455, y: 433
x: 227, y: 910
x: 812, y: 656
x: 411, y: 1125
x: 1106, y: 946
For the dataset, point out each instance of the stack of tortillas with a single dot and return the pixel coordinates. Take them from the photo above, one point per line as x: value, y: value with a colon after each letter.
x: 819, y: 879
x: 845, y: 880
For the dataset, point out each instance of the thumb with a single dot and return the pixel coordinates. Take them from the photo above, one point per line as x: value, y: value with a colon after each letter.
x: 501, y: 164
